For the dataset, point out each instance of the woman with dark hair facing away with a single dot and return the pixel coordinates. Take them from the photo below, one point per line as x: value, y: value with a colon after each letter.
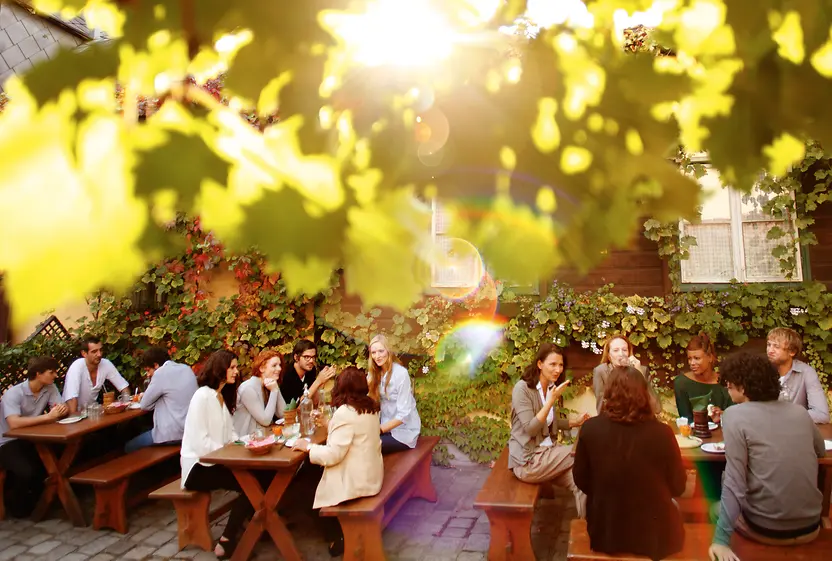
x: 701, y: 380
x: 629, y: 465
x: 353, y: 465
x: 534, y: 454
x: 208, y: 427
x: 770, y: 491
x: 618, y: 351
x: 258, y: 398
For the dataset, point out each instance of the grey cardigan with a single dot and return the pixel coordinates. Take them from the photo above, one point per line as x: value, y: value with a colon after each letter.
x: 601, y: 373
x: 527, y: 432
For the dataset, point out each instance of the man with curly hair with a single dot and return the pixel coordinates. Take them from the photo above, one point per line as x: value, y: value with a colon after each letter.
x: 770, y: 493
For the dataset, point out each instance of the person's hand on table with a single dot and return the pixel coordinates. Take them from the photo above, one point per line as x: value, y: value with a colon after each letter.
x: 719, y: 552
x: 579, y: 422
x: 301, y: 444
x: 58, y: 411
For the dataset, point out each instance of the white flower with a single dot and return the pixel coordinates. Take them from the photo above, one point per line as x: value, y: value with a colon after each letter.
x: 425, y: 369
x: 797, y: 311
x: 640, y: 311
x: 585, y: 344
x: 562, y: 327
x: 630, y: 309
x: 597, y: 351
x: 605, y: 324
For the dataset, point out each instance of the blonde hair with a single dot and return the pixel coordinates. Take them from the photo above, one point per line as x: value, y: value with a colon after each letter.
x: 789, y: 336
x: 605, y: 356
x: 376, y: 371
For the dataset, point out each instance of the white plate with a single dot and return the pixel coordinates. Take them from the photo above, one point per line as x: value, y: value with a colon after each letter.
x: 70, y: 420
x: 134, y: 406
x: 828, y: 444
x: 710, y: 447
x: 712, y: 425
x: 689, y: 442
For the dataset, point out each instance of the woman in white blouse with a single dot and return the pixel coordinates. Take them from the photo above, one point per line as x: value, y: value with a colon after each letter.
x: 390, y: 386
x: 209, y: 427
x: 353, y: 466
x: 259, y: 398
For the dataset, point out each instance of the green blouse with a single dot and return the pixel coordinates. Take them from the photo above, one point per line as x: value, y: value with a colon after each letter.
x: 685, y: 388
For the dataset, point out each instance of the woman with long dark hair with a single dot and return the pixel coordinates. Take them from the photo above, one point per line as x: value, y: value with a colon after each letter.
x: 534, y: 453
x: 353, y: 465
x: 629, y: 465
x: 208, y: 427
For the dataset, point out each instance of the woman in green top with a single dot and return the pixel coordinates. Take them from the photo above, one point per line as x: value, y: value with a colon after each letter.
x: 701, y: 380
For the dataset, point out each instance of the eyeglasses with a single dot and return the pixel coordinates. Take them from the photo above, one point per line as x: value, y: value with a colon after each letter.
x: 309, y: 357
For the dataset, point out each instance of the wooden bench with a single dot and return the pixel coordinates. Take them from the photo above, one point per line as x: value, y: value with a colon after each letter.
x: 111, y: 479
x: 193, y: 513
x: 406, y: 475
x: 698, y: 538
x: 509, y: 504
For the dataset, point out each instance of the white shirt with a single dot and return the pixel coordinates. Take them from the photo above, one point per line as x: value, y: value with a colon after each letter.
x: 78, y: 383
x: 397, y: 402
x: 550, y: 417
x: 251, y: 412
x: 208, y: 427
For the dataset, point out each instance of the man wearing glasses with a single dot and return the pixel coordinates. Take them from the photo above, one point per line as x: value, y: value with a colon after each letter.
x: 302, y: 372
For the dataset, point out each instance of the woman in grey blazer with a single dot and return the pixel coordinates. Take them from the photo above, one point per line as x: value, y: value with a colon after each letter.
x: 534, y: 453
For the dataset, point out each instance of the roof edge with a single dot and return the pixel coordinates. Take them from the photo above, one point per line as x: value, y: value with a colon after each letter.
x: 86, y: 33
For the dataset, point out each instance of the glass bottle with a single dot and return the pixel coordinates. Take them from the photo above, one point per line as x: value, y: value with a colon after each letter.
x: 307, y: 423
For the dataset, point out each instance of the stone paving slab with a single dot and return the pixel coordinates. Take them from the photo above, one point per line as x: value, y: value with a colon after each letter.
x: 448, y: 530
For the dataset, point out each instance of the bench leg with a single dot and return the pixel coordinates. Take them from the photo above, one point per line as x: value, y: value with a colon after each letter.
x: 423, y: 485
x: 511, y: 536
x: 192, y: 522
x: 110, y: 510
x: 2, y: 498
x: 362, y: 538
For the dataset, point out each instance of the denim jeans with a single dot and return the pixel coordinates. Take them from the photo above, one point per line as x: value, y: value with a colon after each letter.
x: 144, y: 440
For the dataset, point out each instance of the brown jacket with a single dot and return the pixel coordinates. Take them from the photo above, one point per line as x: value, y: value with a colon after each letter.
x: 527, y: 432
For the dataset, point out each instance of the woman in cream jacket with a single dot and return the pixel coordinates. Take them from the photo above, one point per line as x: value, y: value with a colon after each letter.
x: 353, y: 466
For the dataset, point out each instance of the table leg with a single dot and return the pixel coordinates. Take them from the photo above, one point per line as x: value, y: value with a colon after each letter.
x: 57, y: 482
x: 265, y: 517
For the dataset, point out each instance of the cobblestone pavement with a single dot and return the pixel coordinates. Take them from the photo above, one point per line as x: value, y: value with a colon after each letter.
x: 449, y: 529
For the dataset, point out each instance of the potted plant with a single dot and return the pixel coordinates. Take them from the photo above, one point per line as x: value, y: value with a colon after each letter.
x: 700, y: 415
x: 290, y: 414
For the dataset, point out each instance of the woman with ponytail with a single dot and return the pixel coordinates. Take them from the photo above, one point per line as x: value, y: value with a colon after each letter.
x: 701, y: 379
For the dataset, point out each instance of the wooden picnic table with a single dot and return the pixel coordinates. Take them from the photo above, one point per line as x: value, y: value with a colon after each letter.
x: 45, y: 437
x: 694, y: 455
x: 284, y: 462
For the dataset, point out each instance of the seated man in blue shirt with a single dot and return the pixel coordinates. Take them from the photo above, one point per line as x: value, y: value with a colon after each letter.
x: 799, y: 383
x: 25, y: 405
x: 172, y: 385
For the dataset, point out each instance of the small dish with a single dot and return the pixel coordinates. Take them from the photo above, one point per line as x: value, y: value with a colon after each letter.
x: 712, y: 425
x: 714, y: 447
x: 134, y: 406
x: 73, y: 419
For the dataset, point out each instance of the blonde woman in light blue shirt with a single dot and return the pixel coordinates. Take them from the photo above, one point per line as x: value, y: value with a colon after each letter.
x: 390, y: 385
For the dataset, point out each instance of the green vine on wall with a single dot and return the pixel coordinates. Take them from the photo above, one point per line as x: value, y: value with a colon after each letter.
x: 466, y: 402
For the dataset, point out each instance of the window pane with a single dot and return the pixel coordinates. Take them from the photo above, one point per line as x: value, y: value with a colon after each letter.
x: 712, y: 259
x: 459, y: 266
x: 716, y: 199
x: 753, y: 203
x: 760, y: 264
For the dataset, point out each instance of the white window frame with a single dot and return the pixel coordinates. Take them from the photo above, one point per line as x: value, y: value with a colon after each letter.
x: 532, y: 289
x: 737, y: 244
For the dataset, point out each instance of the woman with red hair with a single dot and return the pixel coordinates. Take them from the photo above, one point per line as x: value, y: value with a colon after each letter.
x: 629, y: 465
x: 259, y: 398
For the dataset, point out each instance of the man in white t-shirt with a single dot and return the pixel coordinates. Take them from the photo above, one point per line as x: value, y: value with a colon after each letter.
x: 86, y: 376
